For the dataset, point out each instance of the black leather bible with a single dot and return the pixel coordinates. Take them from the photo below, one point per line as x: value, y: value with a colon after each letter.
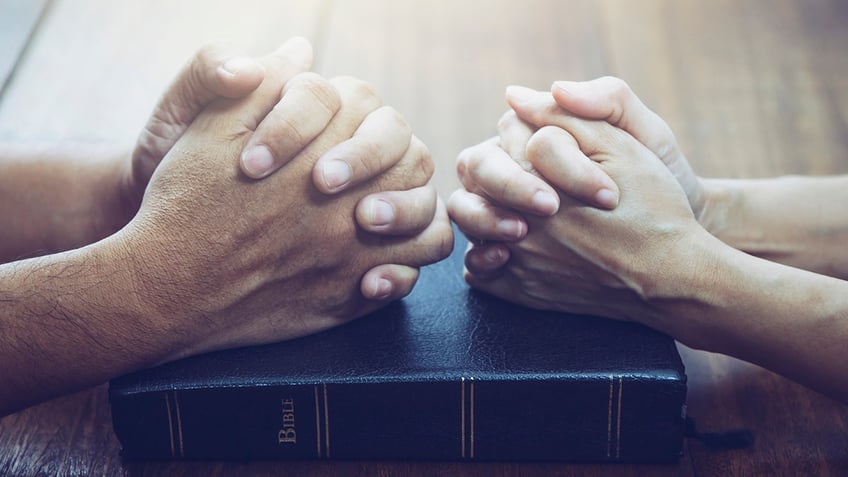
x: 445, y: 374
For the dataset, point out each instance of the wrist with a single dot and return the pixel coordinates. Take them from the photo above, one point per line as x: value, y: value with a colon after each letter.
x: 79, y: 313
x: 182, y: 296
x: 684, y: 284
x: 135, y: 301
x: 719, y: 197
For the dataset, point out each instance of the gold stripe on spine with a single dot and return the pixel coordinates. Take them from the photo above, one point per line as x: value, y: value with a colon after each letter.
x: 609, y: 417
x: 317, y: 423
x: 618, y: 424
x: 170, y: 424
x: 471, y: 422
x: 326, y: 423
x: 462, y: 415
x: 179, y: 424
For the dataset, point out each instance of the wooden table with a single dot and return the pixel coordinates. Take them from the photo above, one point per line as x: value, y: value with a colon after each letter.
x: 752, y: 89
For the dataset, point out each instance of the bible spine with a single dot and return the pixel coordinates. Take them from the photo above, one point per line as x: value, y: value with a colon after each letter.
x: 583, y: 418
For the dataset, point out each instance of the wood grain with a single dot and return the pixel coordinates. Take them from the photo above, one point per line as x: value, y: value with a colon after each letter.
x: 752, y: 89
x: 96, y: 68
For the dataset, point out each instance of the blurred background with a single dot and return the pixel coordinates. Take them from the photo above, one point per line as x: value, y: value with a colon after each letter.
x: 752, y: 88
x: 733, y: 78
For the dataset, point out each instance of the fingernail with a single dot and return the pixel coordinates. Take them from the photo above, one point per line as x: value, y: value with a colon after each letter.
x: 494, y: 255
x: 520, y: 94
x: 336, y: 174
x: 510, y: 229
x: 545, y: 202
x: 382, y: 213
x: 234, y: 66
x: 564, y: 86
x: 383, y: 288
x: 607, y: 198
x: 258, y: 161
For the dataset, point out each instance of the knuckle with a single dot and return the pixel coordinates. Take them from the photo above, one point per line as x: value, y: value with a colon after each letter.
x: 365, y: 92
x: 326, y: 95
x: 616, y: 93
x: 506, y: 120
x: 535, y: 147
x: 417, y: 208
x: 463, y: 211
x: 472, y: 161
x: 455, y: 201
x: 361, y: 162
x: 513, y: 189
x: 201, y: 63
x: 540, y: 142
x: 394, y: 120
x: 444, y: 240
x: 422, y: 155
x: 294, y: 130
x: 618, y: 88
x: 466, y: 209
x: 357, y: 91
x: 426, y: 200
x: 462, y: 158
x: 446, y: 246
x: 321, y: 90
x: 298, y: 81
x: 372, y: 152
x: 374, y: 149
x: 206, y: 54
x: 549, y: 134
x: 617, y: 141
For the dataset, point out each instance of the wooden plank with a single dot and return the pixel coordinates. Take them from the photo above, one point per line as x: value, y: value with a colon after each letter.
x: 797, y: 431
x: 96, y: 68
x: 751, y: 89
x: 18, y: 20
x: 799, y: 58
x: 694, y: 71
x: 68, y: 436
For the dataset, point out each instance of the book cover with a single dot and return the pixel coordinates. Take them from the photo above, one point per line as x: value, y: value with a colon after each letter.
x: 445, y: 374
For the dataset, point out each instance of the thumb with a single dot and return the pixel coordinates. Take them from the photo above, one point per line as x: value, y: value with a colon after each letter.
x: 611, y: 99
x: 210, y: 74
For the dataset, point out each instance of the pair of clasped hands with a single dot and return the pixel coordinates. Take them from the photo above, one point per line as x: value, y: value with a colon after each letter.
x: 275, y: 188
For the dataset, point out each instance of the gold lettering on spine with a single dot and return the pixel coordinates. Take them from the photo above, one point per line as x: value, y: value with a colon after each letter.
x: 466, y: 408
x: 170, y: 424
x: 471, y: 423
x: 326, y: 422
x: 317, y: 422
x: 618, y: 423
x: 179, y: 424
x: 288, y: 431
x: 462, y: 414
x: 609, y: 417
x: 614, y: 403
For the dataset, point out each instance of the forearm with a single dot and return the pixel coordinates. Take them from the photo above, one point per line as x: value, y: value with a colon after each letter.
x: 788, y: 320
x: 72, y: 320
x: 797, y: 221
x: 57, y: 198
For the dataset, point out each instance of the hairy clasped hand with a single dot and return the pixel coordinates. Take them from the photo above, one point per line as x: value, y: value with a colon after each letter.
x: 240, y: 260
